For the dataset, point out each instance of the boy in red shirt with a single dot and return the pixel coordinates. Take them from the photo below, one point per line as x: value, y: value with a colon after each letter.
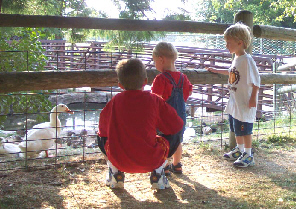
x: 175, y: 88
x: 128, y: 125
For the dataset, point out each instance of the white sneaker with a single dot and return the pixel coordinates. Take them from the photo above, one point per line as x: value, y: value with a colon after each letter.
x: 115, y: 180
x: 244, y: 160
x: 159, y: 181
x: 234, y: 154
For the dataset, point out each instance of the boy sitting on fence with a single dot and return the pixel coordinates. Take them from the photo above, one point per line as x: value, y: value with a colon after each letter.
x: 243, y: 85
x: 128, y: 125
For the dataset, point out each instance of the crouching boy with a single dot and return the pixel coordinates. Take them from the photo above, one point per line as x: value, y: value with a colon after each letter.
x: 128, y: 126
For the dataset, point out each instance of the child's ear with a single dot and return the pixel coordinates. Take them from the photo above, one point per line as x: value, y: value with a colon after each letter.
x: 240, y: 42
x: 121, y: 86
x: 145, y: 82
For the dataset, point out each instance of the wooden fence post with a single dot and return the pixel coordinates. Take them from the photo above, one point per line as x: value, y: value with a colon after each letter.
x: 246, y: 18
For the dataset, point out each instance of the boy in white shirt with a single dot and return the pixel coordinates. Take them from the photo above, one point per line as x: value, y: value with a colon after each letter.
x: 243, y: 85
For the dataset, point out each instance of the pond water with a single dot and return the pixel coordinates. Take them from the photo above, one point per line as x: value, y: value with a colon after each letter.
x: 86, y: 116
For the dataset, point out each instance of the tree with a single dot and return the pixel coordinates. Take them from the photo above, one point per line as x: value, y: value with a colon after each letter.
x: 135, y: 10
x: 21, y: 51
x: 70, y: 8
x: 266, y: 12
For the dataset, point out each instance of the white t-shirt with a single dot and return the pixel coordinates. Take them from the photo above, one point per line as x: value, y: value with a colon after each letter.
x: 242, y: 74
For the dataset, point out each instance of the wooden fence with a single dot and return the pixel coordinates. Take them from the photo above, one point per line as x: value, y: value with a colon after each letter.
x: 79, y: 66
x: 64, y: 56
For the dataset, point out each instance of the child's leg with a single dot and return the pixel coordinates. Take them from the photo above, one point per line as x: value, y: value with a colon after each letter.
x: 158, y: 179
x: 176, y: 166
x: 114, y: 178
x: 246, y: 159
x: 159, y: 170
x: 177, y: 155
x: 248, y: 144
x: 175, y: 150
x: 240, y: 143
x: 112, y: 167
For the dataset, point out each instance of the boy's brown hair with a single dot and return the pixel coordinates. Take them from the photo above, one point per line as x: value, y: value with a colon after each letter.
x: 241, y: 32
x: 165, y: 49
x: 131, y: 74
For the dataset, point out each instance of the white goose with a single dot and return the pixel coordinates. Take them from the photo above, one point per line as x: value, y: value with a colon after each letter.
x: 9, y: 149
x: 42, y: 136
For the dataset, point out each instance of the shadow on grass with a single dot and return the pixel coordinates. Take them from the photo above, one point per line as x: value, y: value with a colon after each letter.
x: 52, y: 187
x: 184, y: 193
x: 40, y: 187
x: 282, y: 175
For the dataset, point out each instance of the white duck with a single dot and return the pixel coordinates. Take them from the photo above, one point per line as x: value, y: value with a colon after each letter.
x: 42, y: 136
x: 9, y: 149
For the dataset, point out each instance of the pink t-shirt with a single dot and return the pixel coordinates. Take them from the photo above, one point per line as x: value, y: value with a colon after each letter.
x: 130, y: 121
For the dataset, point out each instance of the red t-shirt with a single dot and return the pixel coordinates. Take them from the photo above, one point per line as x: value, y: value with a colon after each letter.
x: 129, y: 121
x: 163, y: 87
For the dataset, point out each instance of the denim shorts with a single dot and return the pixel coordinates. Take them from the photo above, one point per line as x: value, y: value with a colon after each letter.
x: 240, y: 128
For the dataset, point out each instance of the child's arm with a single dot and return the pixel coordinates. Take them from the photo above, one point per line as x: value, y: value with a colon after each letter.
x: 158, y: 86
x: 214, y: 70
x: 252, y: 102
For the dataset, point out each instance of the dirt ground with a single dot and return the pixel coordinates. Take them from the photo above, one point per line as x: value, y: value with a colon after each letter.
x: 207, y: 181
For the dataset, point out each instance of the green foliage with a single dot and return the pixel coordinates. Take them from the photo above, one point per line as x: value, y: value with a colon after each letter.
x: 266, y: 12
x: 21, y: 51
x: 129, y: 40
x: 133, y: 9
x: 21, y: 104
x: 70, y: 8
x: 175, y: 16
x: 126, y: 40
x: 280, y: 139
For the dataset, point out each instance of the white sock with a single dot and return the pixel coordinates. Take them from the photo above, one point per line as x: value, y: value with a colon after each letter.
x: 113, y: 168
x: 248, y: 151
x: 241, y: 147
x: 159, y: 170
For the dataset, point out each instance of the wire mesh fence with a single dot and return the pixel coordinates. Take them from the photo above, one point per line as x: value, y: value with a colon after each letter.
x: 73, y: 136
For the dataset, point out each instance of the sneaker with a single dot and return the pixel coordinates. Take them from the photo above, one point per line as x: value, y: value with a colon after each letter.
x: 115, y: 180
x: 244, y: 160
x: 159, y: 181
x: 234, y: 154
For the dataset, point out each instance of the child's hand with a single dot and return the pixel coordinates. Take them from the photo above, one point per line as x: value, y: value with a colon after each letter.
x: 252, y: 102
x: 210, y: 69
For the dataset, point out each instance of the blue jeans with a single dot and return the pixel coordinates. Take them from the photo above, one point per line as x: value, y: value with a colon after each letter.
x: 240, y: 128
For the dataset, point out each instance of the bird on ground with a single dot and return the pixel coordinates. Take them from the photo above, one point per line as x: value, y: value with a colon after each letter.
x: 42, y: 136
x: 8, y: 149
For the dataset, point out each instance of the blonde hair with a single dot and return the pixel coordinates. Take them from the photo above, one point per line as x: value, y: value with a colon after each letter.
x: 165, y: 49
x: 241, y: 32
x: 131, y: 74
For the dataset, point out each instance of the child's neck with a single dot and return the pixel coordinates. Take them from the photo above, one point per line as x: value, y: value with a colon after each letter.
x: 170, y: 67
x: 240, y: 53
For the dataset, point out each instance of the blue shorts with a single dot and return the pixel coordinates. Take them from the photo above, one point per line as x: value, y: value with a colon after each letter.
x: 240, y: 128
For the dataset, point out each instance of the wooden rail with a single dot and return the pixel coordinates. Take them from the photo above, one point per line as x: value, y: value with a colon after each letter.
x: 35, y: 21
x: 10, y: 81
